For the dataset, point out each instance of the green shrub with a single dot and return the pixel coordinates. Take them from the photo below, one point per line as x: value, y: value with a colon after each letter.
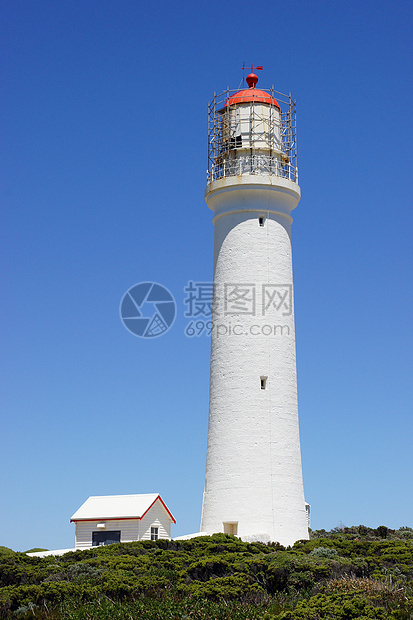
x: 350, y: 569
x: 35, y: 550
x: 6, y: 551
x: 336, y: 607
x: 324, y: 552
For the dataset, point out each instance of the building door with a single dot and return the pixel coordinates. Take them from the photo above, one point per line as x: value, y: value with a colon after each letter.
x: 231, y: 528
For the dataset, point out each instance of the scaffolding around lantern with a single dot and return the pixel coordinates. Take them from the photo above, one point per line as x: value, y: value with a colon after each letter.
x: 253, y: 137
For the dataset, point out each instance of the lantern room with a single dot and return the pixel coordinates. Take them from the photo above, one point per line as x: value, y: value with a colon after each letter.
x: 250, y: 133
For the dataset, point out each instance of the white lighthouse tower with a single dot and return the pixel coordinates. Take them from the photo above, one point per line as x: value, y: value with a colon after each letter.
x: 253, y: 481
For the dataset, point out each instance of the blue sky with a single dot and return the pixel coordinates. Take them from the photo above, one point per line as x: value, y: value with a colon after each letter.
x: 104, y: 152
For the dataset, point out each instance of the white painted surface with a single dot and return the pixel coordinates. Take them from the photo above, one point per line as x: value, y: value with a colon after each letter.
x: 189, y: 536
x: 253, y: 470
x: 132, y: 515
x: 44, y: 554
x: 112, y: 506
x: 129, y: 529
x: 156, y: 517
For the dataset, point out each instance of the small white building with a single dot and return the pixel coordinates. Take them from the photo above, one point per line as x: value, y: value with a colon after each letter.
x: 106, y: 519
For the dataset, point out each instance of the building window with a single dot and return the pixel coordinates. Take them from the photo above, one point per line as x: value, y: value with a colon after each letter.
x: 261, y: 220
x: 105, y: 538
x: 235, y: 142
x: 154, y: 533
x: 263, y: 383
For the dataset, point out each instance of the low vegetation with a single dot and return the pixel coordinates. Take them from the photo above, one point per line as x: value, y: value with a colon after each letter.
x: 347, y: 573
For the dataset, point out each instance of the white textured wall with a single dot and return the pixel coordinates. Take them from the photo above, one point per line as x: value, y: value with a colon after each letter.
x: 129, y: 530
x: 253, y: 470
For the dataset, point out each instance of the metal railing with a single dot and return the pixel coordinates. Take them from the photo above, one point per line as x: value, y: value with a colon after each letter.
x: 253, y: 164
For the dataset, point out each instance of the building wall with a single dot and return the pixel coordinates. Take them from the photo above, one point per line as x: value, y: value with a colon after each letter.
x: 156, y: 517
x: 129, y: 530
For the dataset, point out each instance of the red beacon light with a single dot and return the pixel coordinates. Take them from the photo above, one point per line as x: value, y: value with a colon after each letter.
x: 252, y: 80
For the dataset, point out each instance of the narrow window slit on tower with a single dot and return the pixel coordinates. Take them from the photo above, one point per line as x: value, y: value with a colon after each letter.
x: 264, y: 383
x: 261, y: 220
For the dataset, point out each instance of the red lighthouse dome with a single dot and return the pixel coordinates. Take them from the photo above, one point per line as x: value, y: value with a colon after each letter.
x: 251, y: 94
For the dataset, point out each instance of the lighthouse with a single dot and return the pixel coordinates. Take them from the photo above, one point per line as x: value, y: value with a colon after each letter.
x: 253, y: 482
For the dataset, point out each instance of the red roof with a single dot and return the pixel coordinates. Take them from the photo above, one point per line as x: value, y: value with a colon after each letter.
x: 251, y: 94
